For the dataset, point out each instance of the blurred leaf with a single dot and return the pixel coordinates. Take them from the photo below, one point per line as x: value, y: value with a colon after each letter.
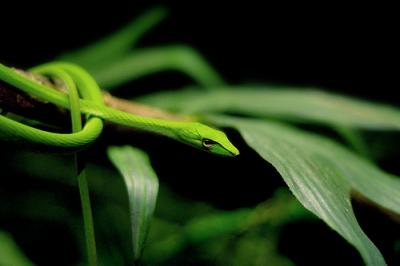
x: 142, y: 185
x: 321, y: 174
x: 108, y: 49
x: 10, y: 253
x: 196, y: 231
x: 214, y: 225
x: 205, y: 229
x: 152, y: 60
x: 289, y: 104
x: 258, y: 250
x: 251, y: 249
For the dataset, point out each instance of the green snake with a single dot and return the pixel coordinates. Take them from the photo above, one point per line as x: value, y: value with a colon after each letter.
x: 78, y: 81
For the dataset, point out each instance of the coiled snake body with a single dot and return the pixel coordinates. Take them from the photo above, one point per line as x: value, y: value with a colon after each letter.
x: 91, y: 104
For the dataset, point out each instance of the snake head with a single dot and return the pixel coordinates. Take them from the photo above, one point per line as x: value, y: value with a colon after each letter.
x: 208, y: 139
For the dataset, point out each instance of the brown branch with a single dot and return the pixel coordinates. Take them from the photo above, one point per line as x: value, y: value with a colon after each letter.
x: 139, y: 109
x: 23, y: 104
x: 20, y: 103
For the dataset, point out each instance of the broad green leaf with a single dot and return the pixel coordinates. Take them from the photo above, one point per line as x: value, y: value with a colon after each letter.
x: 10, y: 253
x: 298, y: 105
x: 108, y: 49
x: 321, y: 174
x: 142, y: 186
x: 152, y: 60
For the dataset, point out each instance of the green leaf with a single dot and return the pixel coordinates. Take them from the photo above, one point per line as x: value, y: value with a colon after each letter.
x: 321, y: 174
x: 281, y: 208
x: 10, y: 253
x: 152, y: 60
x: 298, y: 105
x: 142, y: 186
x: 108, y: 49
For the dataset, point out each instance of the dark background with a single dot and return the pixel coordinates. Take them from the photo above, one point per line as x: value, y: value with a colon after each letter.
x: 346, y: 49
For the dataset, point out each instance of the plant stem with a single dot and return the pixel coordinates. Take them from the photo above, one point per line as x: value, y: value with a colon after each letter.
x: 87, y: 216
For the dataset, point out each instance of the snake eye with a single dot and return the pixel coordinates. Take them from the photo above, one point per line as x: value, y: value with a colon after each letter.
x: 207, y: 143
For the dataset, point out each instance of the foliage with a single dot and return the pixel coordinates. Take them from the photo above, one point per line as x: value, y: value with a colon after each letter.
x: 321, y: 173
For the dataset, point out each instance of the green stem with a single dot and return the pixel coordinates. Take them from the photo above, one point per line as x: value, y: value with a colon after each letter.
x: 87, y: 216
x: 74, y: 105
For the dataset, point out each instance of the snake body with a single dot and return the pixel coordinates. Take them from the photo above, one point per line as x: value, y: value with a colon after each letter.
x: 91, y: 104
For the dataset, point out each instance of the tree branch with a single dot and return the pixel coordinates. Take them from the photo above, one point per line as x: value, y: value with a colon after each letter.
x: 20, y: 103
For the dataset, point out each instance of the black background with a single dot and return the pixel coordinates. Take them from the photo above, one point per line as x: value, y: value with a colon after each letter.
x: 346, y: 49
